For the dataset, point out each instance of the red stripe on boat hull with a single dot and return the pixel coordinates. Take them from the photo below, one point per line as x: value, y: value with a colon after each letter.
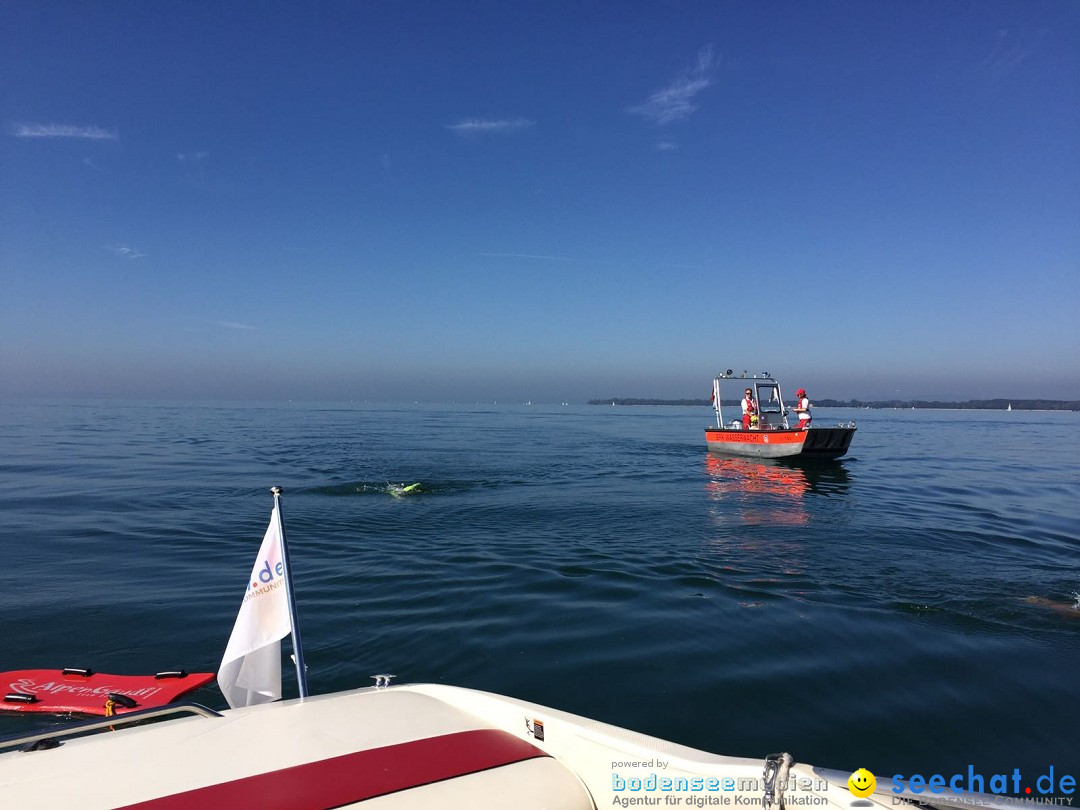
x: 756, y: 443
x: 354, y: 777
x: 756, y: 436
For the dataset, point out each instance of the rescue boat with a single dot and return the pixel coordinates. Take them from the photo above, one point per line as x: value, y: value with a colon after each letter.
x: 771, y: 436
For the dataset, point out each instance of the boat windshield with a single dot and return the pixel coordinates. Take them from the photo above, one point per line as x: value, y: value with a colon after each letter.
x: 768, y: 397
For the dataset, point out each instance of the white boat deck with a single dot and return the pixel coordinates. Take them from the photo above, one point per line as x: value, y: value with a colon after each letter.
x: 409, y: 746
x: 390, y: 748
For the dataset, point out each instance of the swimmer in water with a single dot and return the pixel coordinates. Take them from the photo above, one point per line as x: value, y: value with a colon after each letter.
x: 1070, y: 610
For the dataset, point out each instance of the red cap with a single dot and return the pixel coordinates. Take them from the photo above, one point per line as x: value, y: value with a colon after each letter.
x: 800, y: 392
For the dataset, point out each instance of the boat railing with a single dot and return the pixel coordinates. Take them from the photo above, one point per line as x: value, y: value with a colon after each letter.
x: 51, y: 738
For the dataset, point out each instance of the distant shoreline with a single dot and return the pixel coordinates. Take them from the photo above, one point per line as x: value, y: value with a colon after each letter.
x: 971, y: 404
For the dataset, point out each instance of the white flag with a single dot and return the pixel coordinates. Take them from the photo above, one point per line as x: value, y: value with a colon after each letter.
x: 250, y: 670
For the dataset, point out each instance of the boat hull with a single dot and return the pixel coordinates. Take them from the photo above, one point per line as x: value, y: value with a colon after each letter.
x: 827, y: 442
x: 756, y: 443
x: 821, y: 443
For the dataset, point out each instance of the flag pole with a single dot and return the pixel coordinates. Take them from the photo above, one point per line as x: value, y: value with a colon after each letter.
x: 298, y: 648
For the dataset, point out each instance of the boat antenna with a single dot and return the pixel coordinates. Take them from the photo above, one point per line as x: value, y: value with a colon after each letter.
x: 716, y: 401
x: 298, y: 647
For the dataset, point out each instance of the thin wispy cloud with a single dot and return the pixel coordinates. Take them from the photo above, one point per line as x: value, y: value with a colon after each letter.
x: 666, y: 146
x: 676, y: 101
x: 200, y: 171
x: 210, y: 322
x: 63, y: 131
x: 531, y: 256
x: 1010, y: 50
x: 480, y: 126
x: 127, y: 251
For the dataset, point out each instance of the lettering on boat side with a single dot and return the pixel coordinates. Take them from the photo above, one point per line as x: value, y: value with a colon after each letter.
x: 755, y: 436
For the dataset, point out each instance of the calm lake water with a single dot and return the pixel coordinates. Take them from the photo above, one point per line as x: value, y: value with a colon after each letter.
x: 908, y: 608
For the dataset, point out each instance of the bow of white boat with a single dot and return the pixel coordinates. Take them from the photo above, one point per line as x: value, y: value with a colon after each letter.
x: 408, y: 746
x: 390, y: 747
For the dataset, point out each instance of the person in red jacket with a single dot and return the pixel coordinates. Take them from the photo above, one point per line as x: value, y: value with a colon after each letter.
x: 749, y: 408
x: 802, y: 408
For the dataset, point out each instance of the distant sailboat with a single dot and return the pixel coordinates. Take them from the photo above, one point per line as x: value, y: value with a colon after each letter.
x: 1010, y: 407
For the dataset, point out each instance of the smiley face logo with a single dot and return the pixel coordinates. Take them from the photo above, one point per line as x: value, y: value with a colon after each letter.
x: 862, y: 783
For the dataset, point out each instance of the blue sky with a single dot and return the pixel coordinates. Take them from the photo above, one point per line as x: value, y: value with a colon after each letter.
x: 539, y: 201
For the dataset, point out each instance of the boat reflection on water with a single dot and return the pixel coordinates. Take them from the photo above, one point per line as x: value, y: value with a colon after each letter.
x: 757, y: 508
x: 756, y: 491
x: 769, y: 491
